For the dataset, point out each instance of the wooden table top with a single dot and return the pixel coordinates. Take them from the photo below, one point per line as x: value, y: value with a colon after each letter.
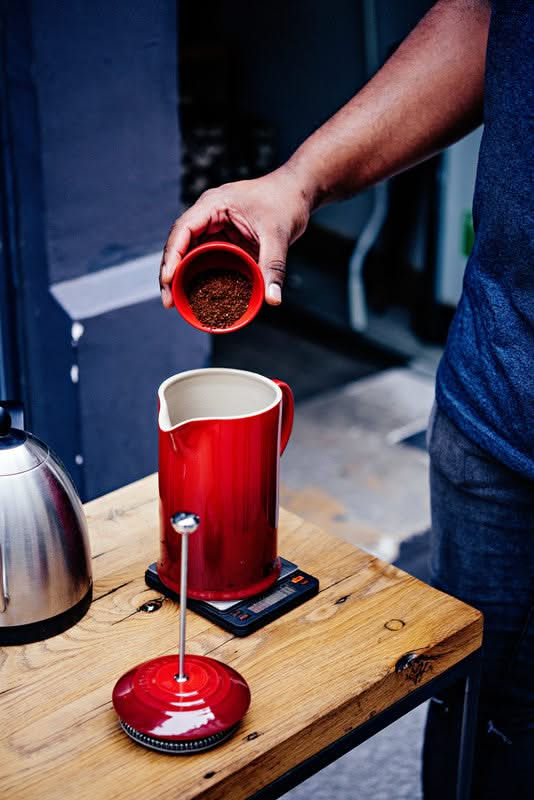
x: 314, y: 674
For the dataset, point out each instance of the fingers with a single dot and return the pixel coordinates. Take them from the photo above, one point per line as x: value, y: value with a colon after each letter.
x: 175, y: 248
x: 272, y: 261
x: 166, y: 296
x: 233, y: 212
x: 190, y: 225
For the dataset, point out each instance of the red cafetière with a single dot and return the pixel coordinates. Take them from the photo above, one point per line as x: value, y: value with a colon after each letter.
x: 221, y: 433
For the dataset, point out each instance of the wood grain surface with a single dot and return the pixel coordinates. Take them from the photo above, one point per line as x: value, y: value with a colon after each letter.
x: 314, y: 674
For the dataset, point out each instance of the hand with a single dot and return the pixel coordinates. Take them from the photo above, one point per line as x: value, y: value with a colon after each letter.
x: 264, y: 216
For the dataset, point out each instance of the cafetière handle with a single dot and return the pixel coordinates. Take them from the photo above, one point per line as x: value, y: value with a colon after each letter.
x: 288, y: 413
x: 4, y: 593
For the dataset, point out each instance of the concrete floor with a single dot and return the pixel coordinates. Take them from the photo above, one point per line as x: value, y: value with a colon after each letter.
x: 347, y: 468
x: 385, y: 767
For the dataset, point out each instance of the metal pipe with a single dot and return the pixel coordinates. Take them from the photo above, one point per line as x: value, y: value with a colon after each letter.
x: 371, y: 229
x: 183, y: 608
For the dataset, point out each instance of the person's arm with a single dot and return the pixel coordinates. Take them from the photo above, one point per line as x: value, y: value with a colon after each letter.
x: 426, y: 96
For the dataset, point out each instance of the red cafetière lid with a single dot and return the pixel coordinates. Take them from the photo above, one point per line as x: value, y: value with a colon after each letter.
x: 160, y: 712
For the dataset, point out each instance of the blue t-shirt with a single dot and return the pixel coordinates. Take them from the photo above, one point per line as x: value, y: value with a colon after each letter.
x: 485, y: 381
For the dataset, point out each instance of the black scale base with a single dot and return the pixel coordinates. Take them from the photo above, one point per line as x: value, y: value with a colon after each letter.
x: 242, y: 617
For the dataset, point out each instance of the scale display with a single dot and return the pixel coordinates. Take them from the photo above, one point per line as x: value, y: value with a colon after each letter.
x: 267, y: 602
x: 242, y: 617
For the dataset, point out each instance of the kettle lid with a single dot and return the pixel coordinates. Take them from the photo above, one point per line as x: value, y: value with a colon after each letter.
x: 19, y: 451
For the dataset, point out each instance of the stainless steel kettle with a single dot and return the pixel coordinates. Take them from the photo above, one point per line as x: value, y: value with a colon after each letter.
x: 45, y: 563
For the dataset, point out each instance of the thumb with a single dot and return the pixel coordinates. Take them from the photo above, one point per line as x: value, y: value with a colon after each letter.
x: 272, y: 261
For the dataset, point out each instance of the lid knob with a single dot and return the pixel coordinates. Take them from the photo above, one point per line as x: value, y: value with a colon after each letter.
x: 185, y: 522
x: 5, y: 421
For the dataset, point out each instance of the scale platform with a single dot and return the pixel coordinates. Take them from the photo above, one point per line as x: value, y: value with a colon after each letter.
x: 245, y: 616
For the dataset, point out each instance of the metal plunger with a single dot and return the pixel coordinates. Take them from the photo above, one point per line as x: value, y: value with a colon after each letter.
x: 183, y: 523
x: 187, y: 711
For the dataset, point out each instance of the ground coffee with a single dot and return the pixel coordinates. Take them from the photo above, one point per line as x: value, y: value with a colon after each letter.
x: 219, y: 297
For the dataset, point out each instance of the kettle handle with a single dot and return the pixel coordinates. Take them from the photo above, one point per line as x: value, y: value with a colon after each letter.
x: 16, y: 412
x: 288, y: 413
x: 4, y: 594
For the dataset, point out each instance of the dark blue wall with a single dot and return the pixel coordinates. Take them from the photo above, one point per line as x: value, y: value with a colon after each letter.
x: 93, y: 146
x: 105, y: 77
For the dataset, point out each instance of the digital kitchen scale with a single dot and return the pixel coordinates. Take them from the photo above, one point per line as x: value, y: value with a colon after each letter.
x: 242, y: 617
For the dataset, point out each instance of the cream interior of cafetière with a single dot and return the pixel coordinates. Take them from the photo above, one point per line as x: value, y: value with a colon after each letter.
x: 214, y: 393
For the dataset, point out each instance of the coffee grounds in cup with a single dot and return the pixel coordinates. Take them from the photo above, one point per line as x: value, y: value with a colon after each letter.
x: 219, y: 297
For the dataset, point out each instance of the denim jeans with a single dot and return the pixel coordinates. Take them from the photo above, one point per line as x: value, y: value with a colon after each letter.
x: 483, y: 553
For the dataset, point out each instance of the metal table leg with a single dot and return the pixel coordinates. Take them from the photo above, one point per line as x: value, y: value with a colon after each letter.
x: 468, y: 732
x: 468, y: 670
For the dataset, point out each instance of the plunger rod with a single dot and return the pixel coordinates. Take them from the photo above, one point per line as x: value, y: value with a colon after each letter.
x: 183, y: 607
x: 183, y: 523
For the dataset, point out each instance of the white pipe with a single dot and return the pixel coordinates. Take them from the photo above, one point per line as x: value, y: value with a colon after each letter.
x: 366, y: 239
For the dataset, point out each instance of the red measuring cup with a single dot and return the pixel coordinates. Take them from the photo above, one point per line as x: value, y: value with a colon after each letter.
x: 213, y: 257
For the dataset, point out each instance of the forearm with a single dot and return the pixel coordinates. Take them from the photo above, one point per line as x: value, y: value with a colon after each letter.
x: 425, y: 97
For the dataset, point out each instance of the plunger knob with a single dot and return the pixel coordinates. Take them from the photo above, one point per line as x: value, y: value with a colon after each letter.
x: 184, y: 522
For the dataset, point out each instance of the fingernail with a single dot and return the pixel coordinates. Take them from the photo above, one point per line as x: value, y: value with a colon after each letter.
x: 275, y: 293
x: 166, y: 271
x: 166, y: 297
